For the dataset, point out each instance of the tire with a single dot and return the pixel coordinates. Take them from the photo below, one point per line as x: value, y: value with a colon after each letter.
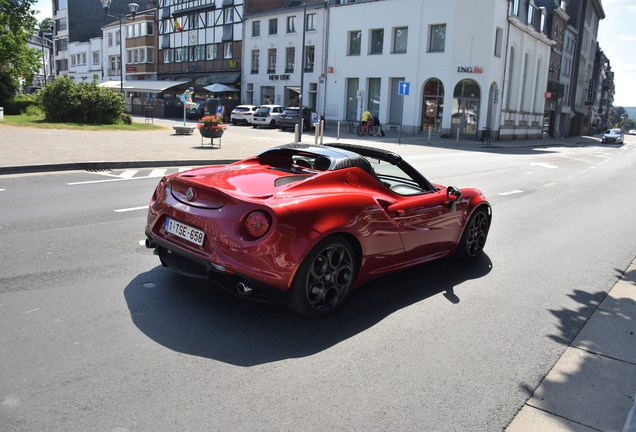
x: 324, y: 279
x: 283, y: 128
x: 272, y: 124
x: 360, y: 130
x: 370, y: 131
x: 254, y: 126
x: 234, y: 122
x: 474, y: 237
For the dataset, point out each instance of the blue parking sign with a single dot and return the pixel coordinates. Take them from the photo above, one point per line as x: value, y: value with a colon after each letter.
x: 404, y: 88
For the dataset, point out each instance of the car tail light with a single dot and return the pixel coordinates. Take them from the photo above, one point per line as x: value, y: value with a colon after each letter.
x: 257, y: 224
x: 160, y: 191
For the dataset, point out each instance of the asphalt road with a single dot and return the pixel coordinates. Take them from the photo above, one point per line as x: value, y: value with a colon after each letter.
x: 97, y: 336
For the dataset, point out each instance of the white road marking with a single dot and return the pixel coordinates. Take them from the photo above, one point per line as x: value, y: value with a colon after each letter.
x: 544, y: 165
x: 511, y: 192
x: 131, y: 209
x: 157, y: 172
x: 2, y: 190
x: 550, y: 184
x: 128, y: 174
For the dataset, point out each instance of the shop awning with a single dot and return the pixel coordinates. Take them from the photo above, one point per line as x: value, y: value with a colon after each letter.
x: 229, y: 78
x: 143, y: 86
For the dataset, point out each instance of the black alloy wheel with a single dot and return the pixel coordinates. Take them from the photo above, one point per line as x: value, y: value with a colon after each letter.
x: 324, y: 279
x: 474, y: 238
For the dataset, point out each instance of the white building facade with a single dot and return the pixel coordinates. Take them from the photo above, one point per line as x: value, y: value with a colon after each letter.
x: 456, y: 61
x: 85, y: 60
x: 273, y: 57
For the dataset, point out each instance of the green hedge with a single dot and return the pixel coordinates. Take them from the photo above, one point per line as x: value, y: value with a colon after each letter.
x: 65, y: 101
x: 20, y: 104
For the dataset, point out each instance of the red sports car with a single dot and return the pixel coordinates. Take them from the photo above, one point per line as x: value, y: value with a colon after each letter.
x: 306, y: 224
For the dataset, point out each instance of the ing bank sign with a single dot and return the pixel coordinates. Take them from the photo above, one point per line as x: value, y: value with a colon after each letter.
x: 473, y: 70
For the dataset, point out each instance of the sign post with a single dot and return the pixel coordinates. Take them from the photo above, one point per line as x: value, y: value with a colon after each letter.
x: 403, y: 90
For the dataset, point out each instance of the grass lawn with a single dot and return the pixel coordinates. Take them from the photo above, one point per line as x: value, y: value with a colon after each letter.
x: 39, y: 122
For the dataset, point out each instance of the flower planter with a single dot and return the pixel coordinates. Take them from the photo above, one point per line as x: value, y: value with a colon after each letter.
x: 207, y: 133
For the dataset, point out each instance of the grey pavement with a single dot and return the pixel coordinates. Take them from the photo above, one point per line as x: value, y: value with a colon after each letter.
x: 592, y: 387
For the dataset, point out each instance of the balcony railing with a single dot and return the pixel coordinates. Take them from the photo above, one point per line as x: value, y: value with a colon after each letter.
x: 113, y: 72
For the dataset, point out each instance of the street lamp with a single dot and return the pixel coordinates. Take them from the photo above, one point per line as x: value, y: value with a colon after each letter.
x: 133, y: 10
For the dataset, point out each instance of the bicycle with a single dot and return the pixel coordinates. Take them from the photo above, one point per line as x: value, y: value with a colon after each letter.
x: 366, y: 128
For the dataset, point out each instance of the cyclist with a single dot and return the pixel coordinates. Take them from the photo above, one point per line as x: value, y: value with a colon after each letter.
x: 367, y: 118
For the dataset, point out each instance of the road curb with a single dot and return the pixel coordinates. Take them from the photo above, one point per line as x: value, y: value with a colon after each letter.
x: 97, y: 165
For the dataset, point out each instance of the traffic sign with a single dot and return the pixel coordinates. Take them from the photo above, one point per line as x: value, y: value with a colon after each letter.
x: 404, y: 88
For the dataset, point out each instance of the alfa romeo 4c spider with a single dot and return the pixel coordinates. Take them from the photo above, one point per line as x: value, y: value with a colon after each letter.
x: 306, y: 224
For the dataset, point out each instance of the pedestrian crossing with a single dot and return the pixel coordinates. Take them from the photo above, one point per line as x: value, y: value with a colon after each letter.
x: 139, y: 173
x: 130, y: 174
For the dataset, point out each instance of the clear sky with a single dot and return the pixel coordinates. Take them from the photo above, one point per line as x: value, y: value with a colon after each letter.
x: 616, y: 36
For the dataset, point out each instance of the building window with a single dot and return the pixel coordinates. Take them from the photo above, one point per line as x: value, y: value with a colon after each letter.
x: 61, y: 4
x: 73, y: 61
x: 228, y: 15
x: 117, y: 37
x: 498, y: 42
x: 530, y: 14
x: 95, y: 57
x: 311, y: 22
x: 437, y: 38
x: 110, y: 39
x: 515, y: 8
x: 83, y: 59
x: 511, y: 75
x: 256, y: 55
x: 373, y: 96
x: 209, y: 18
x: 227, y: 50
x: 355, y: 40
x: 377, y: 41
x: 273, y: 26
x: 166, y: 56
x: 352, y: 98
x: 149, y: 28
x: 310, y: 56
x: 212, y: 52
x: 291, y: 24
x: 400, y: 38
x: 193, y: 21
x: 256, y: 28
x: 271, y: 60
x: 290, y: 59
x: 61, y: 24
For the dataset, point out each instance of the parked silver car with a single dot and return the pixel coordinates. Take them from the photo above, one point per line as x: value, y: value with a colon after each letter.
x: 614, y: 136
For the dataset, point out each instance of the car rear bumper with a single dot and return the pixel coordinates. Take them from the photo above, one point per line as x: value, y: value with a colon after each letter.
x: 192, y: 265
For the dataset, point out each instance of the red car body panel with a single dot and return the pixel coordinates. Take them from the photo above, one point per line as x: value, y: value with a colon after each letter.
x: 387, y: 231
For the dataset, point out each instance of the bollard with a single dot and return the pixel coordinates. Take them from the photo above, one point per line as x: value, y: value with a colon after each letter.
x: 296, y: 133
x: 322, y: 130
x: 429, y: 134
x: 316, y: 133
x: 338, y: 134
x: 457, y: 142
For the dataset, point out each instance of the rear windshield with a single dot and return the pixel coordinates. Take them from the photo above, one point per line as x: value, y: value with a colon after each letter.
x: 291, y: 111
x: 241, y: 109
x: 262, y: 110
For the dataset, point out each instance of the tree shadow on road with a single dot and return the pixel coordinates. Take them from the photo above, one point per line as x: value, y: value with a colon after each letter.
x: 594, y: 381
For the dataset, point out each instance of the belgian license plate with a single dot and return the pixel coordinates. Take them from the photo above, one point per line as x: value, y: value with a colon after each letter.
x: 184, y: 231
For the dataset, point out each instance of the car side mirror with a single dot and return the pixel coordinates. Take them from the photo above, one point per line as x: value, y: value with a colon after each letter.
x: 453, y: 193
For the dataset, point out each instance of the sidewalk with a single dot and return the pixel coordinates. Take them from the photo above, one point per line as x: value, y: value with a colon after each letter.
x: 590, y: 388
x: 36, y: 150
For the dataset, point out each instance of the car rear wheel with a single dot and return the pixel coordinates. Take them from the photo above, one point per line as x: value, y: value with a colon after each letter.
x: 324, y: 279
x: 474, y: 238
x: 272, y: 124
x: 234, y: 122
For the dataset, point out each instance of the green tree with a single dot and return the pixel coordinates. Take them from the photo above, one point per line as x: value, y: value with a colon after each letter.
x: 17, y: 60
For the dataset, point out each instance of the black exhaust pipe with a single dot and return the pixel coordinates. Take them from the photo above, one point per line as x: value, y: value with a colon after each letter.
x: 243, y: 289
